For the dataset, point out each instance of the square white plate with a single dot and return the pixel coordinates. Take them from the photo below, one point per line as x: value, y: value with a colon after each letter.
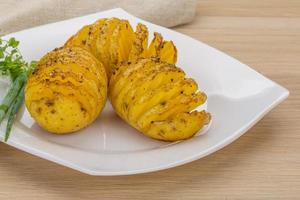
x: 238, y: 97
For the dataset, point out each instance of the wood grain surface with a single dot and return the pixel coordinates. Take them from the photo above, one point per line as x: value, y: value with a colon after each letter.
x: 262, y: 164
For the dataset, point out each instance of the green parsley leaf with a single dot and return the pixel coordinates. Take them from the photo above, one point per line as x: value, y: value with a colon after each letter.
x: 12, y: 42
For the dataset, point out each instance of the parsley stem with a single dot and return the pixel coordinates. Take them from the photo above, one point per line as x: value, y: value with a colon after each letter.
x: 11, y: 95
x: 13, y: 111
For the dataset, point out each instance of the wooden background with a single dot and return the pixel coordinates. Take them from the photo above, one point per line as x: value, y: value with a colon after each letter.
x: 262, y: 164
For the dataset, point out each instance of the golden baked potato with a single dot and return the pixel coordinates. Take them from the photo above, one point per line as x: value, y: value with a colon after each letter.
x: 157, y: 99
x: 67, y: 90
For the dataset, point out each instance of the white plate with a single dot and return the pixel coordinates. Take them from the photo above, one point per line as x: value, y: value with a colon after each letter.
x: 237, y: 98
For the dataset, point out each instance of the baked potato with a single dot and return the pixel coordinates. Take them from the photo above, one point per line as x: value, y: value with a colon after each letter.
x: 67, y: 90
x: 157, y: 99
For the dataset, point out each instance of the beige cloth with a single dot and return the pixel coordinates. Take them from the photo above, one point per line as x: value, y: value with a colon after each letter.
x: 21, y: 14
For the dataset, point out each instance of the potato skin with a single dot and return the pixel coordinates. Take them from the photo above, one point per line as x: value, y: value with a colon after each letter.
x: 157, y: 99
x: 80, y: 38
x: 60, y: 115
x: 67, y: 91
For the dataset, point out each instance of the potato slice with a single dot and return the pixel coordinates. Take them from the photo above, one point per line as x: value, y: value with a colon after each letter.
x: 103, y: 43
x: 80, y: 38
x: 168, y: 52
x: 121, y: 43
x: 94, y: 34
x: 180, y: 104
x: 140, y: 43
x: 179, y: 127
x: 155, y: 47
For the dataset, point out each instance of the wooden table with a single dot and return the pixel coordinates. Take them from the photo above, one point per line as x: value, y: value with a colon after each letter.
x: 262, y: 164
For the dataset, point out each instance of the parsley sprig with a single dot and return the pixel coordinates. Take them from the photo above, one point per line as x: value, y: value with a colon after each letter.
x: 13, y: 65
